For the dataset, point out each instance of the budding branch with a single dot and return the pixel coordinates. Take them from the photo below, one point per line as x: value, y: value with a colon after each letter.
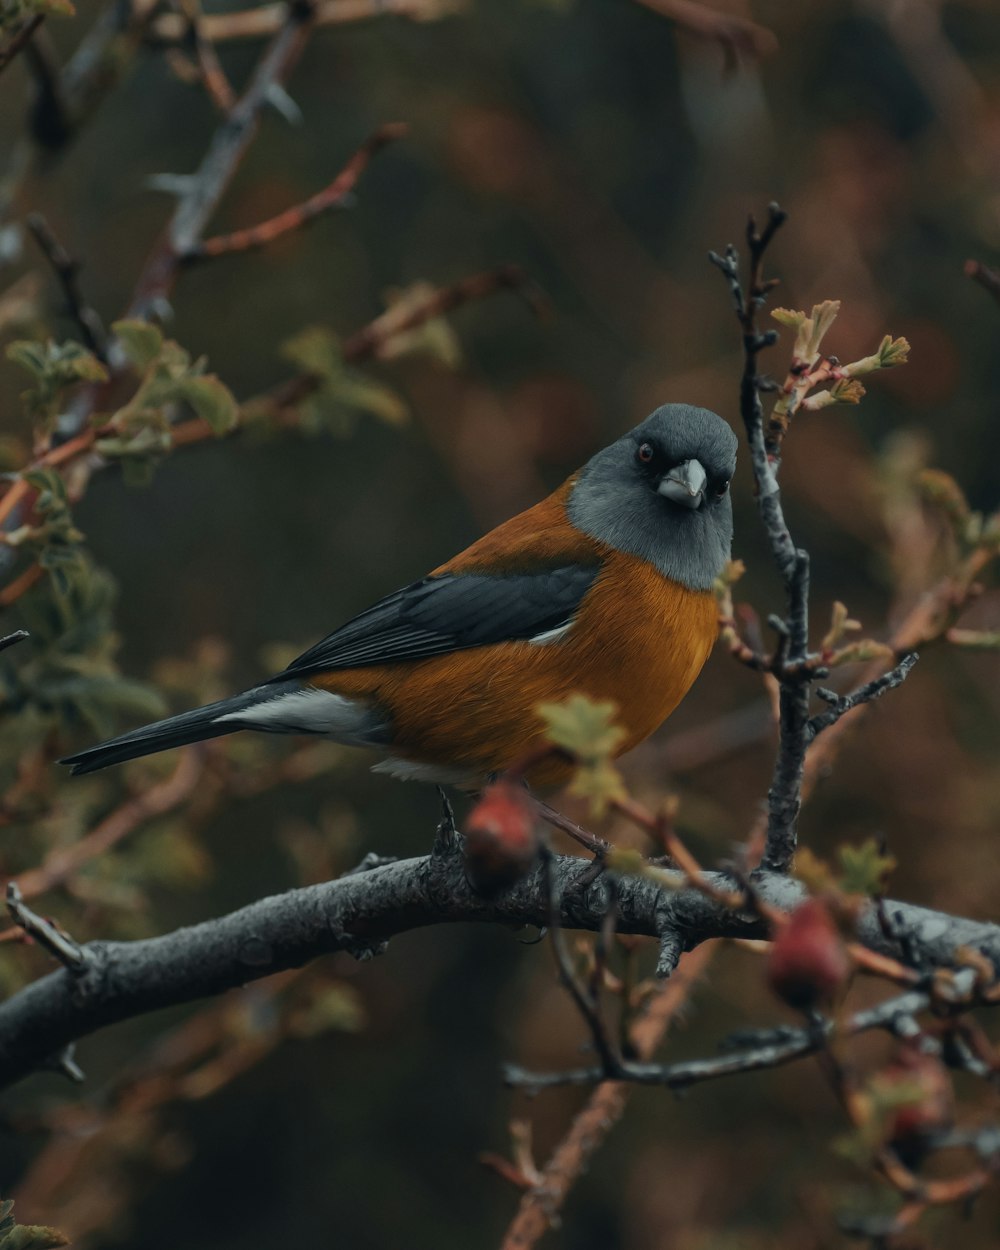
x: 359, y: 912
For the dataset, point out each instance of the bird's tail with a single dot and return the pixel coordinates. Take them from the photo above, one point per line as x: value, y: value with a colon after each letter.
x: 175, y: 731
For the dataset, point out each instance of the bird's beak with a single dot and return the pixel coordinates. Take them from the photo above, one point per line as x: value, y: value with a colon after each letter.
x: 685, y: 484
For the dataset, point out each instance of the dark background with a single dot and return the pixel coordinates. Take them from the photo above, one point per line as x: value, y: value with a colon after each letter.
x: 606, y: 152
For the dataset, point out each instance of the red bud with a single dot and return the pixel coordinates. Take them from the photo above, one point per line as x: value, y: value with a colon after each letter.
x: 931, y: 1108
x: 808, y: 962
x: 501, y: 837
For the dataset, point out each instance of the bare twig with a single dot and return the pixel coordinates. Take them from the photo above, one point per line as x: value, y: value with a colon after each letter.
x: 780, y: 1047
x: 19, y: 39
x: 265, y: 19
x: 62, y: 862
x: 67, y: 271
x: 737, y: 36
x: 540, y: 1205
x: 587, y: 999
x: 336, y: 195
x: 987, y: 278
x: 69, y: 953
x: 840, y: 704
x: 18, y: 635
x: 369, y: 341
x: 201, y: 192
x: 213, y: 76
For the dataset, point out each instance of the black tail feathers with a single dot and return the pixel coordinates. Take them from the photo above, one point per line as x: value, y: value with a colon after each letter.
x: 175, y: 731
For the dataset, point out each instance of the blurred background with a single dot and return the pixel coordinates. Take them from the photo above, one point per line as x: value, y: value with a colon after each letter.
x: 605, y: 149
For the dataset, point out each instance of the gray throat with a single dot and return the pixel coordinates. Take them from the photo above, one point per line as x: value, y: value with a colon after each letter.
x: 690, y: 547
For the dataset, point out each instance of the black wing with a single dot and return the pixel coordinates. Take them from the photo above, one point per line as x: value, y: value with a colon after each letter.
x: 451, y: 612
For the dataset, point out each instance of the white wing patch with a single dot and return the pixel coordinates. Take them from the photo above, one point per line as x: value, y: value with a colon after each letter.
x: 552, y: 635
x: 410, y: 770
x: 310, y: 711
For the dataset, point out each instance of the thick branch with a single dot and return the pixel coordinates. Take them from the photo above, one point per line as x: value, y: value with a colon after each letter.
x: 358, y: 912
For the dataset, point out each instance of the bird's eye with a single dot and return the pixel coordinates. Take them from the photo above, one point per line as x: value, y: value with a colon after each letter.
x: 722, y: 487
x: 645, y: 452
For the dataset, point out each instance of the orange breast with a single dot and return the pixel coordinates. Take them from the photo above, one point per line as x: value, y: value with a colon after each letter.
x: 638, y: 640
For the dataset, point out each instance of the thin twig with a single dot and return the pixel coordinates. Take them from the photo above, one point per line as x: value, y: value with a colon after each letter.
x: 19, y: 39
x: 9, y: 640
x: 587, y: 1004
x: 213, y: 75
x: 265, y: 19
x: 737, y: 36
x: 62, y: 862
x: 69, y: 953
x: 67, y: 271
x: 201, y: 193
x: 336, y: 195
x: 987, y: 278
x: 539, y: 1207
x: 840, y: 705
x: 785, y: 1046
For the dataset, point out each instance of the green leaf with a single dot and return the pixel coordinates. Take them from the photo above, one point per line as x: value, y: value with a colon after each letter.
x: 33, y: 1237
x: 582, y: 727
x: 213, y: 401
x: 600, y: 783
x: 315, y: 350
x: 14, y: 1236
x: 361, y: 393
x: 332, y: 1007
x: 55, y: 367
x: 864, y: 869
x: 141, y: 342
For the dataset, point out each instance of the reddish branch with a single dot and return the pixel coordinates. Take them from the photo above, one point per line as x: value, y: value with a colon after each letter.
x: 540, y: 1205
x: 987, y: 278
x: 336, y: 195
x: 369, y: 341
x: 60, y: 864
x: 19, y: 39
x: 201, y: 195
x: 267, y: 18
x: 737, y: 36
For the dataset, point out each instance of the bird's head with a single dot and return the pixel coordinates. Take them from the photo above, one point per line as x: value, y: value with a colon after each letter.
x: 661, y: 492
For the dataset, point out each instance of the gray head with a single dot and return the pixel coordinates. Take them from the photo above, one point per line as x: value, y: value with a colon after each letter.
x: 662, y: 492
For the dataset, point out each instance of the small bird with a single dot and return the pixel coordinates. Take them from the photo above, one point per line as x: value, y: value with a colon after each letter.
x: 603, y: 589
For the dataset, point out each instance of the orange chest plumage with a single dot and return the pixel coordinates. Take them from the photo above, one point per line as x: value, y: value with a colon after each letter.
x: 638, y: 640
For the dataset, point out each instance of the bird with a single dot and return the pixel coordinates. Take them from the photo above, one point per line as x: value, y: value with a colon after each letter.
x: 604, y: 588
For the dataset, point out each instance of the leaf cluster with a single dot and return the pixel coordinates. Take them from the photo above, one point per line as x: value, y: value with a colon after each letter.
x: 339, y: 393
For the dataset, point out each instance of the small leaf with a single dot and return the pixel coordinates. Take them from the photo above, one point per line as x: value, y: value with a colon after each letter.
x: 975, y: 639
x: 332, y: 1007
x: 860, y: 652
x: 315, y: 350
x: 213, y: 401
x: 141, y: 341
x: 627, y: 862
x: 32, y: 1237
x: 840, y: 624
x: 864, y: 869
x: 813, y: 872
x: 354, y: 391
x: 941, y: 491
x: 581, y: 726
x: 600, y: 783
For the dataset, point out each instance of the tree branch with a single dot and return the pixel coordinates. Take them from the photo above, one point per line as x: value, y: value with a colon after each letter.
x: 201, y: 192
x: 337, y: 194
x: 358, y: 913
x: 19, y: 39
